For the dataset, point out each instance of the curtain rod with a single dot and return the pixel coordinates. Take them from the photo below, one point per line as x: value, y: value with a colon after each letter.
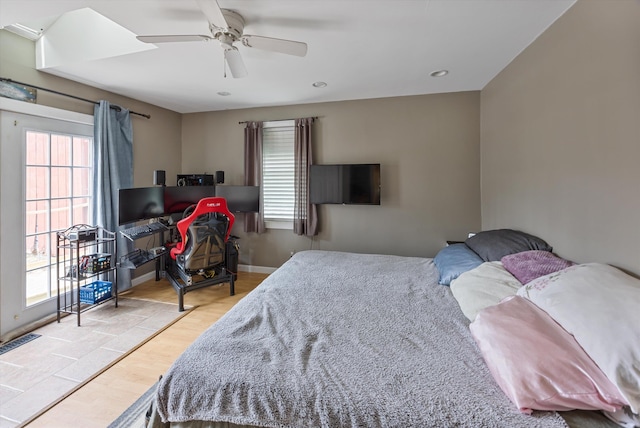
x: 277, y: 120
x: 70, y: 96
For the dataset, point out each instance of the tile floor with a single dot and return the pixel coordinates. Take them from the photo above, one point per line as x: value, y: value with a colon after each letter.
x: 38, y: 374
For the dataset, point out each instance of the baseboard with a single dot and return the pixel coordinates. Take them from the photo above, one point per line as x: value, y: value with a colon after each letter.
x: 10, y: 335
x: 256, y: 269
x: 143, y: 278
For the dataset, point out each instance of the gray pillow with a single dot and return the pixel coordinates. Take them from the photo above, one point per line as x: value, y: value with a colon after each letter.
x: 493, y: 245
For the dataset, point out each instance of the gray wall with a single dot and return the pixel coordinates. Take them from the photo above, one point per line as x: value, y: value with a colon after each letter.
x: 560, y: 136
x: 428, y: 148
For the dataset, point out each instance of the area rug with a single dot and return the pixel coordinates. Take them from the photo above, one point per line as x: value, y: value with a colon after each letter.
x: 136, y: 415
x: 38, y: 374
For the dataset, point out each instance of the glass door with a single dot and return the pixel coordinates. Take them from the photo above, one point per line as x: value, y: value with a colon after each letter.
x: 45, y: 187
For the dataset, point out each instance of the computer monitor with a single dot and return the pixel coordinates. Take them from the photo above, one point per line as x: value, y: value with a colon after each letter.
x: 240, y: 199
x: 179, y: 198
x: 140, y: 203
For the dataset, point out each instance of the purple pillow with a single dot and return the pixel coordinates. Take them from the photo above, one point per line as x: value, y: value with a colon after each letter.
x: 529, y: 265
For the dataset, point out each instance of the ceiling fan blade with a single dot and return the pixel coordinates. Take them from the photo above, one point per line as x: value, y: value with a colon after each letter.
x: 176, y: 38
x: 288, y: 47
x: 212, y: 11
x: 235, y: 62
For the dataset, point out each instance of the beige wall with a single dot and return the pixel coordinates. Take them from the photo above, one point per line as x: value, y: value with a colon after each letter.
x: 428, y: 148
x: 156, y: 141
x: 560, y: 136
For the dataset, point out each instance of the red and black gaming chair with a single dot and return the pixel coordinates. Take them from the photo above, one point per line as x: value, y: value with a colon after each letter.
x: 204, y: 234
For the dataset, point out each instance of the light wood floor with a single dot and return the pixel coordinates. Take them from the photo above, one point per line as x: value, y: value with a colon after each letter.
x: 104, y: 398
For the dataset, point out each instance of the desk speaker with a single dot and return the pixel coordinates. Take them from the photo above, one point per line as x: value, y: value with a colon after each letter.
x: 159, y: 177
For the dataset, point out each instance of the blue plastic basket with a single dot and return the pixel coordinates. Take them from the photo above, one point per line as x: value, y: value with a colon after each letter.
x: 95, y: 292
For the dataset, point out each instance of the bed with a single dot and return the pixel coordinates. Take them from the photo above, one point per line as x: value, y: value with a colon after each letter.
x: 334, y: 339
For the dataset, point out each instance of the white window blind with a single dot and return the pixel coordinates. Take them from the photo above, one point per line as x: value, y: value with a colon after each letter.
x: 278, y: 170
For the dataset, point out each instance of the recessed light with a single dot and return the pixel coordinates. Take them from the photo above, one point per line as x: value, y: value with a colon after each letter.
x: 224, y: 94
x: 439, y: 73
x: 319, y: 84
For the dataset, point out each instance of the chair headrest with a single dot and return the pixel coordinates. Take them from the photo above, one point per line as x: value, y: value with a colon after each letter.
x: 205, y: 206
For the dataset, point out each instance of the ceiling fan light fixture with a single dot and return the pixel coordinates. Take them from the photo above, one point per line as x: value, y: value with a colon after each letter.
x: 226, y: 41
x: 439, y: 73
x: 319, y: 84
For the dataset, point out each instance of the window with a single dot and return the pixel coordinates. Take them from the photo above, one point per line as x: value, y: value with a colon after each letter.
x: 278, y: 190
x: 58, y: 183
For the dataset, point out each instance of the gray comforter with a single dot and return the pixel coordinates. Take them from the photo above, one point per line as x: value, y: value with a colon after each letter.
x: 341, y: 340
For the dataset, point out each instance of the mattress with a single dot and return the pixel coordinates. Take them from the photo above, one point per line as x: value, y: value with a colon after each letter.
x: 336, y: 339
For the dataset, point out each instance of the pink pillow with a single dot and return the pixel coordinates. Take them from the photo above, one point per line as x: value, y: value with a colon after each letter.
x: 537, y: 364
x: 529, y: 265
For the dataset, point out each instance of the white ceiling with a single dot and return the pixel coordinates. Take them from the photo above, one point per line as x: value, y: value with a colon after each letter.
x: 360, y: 48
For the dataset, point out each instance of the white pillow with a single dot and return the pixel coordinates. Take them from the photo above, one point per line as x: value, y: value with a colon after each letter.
x: 483, y: 286
x: 600, y: 306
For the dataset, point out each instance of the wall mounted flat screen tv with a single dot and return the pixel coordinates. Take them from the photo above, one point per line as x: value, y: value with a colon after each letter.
x: 345, y: 184
x: 240, y: 199
x: 140, y: 203
x: 179, y: 198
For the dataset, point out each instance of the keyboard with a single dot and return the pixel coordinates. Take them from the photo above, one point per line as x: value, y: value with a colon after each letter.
x: 143, y: 230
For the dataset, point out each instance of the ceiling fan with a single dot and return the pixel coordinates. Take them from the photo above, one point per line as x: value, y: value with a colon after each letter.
x: 226, y: 27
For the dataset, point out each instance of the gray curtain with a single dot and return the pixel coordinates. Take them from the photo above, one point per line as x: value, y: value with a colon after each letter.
x: 113, y: 170
x: 305, y: 215
x: 253, y: 222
